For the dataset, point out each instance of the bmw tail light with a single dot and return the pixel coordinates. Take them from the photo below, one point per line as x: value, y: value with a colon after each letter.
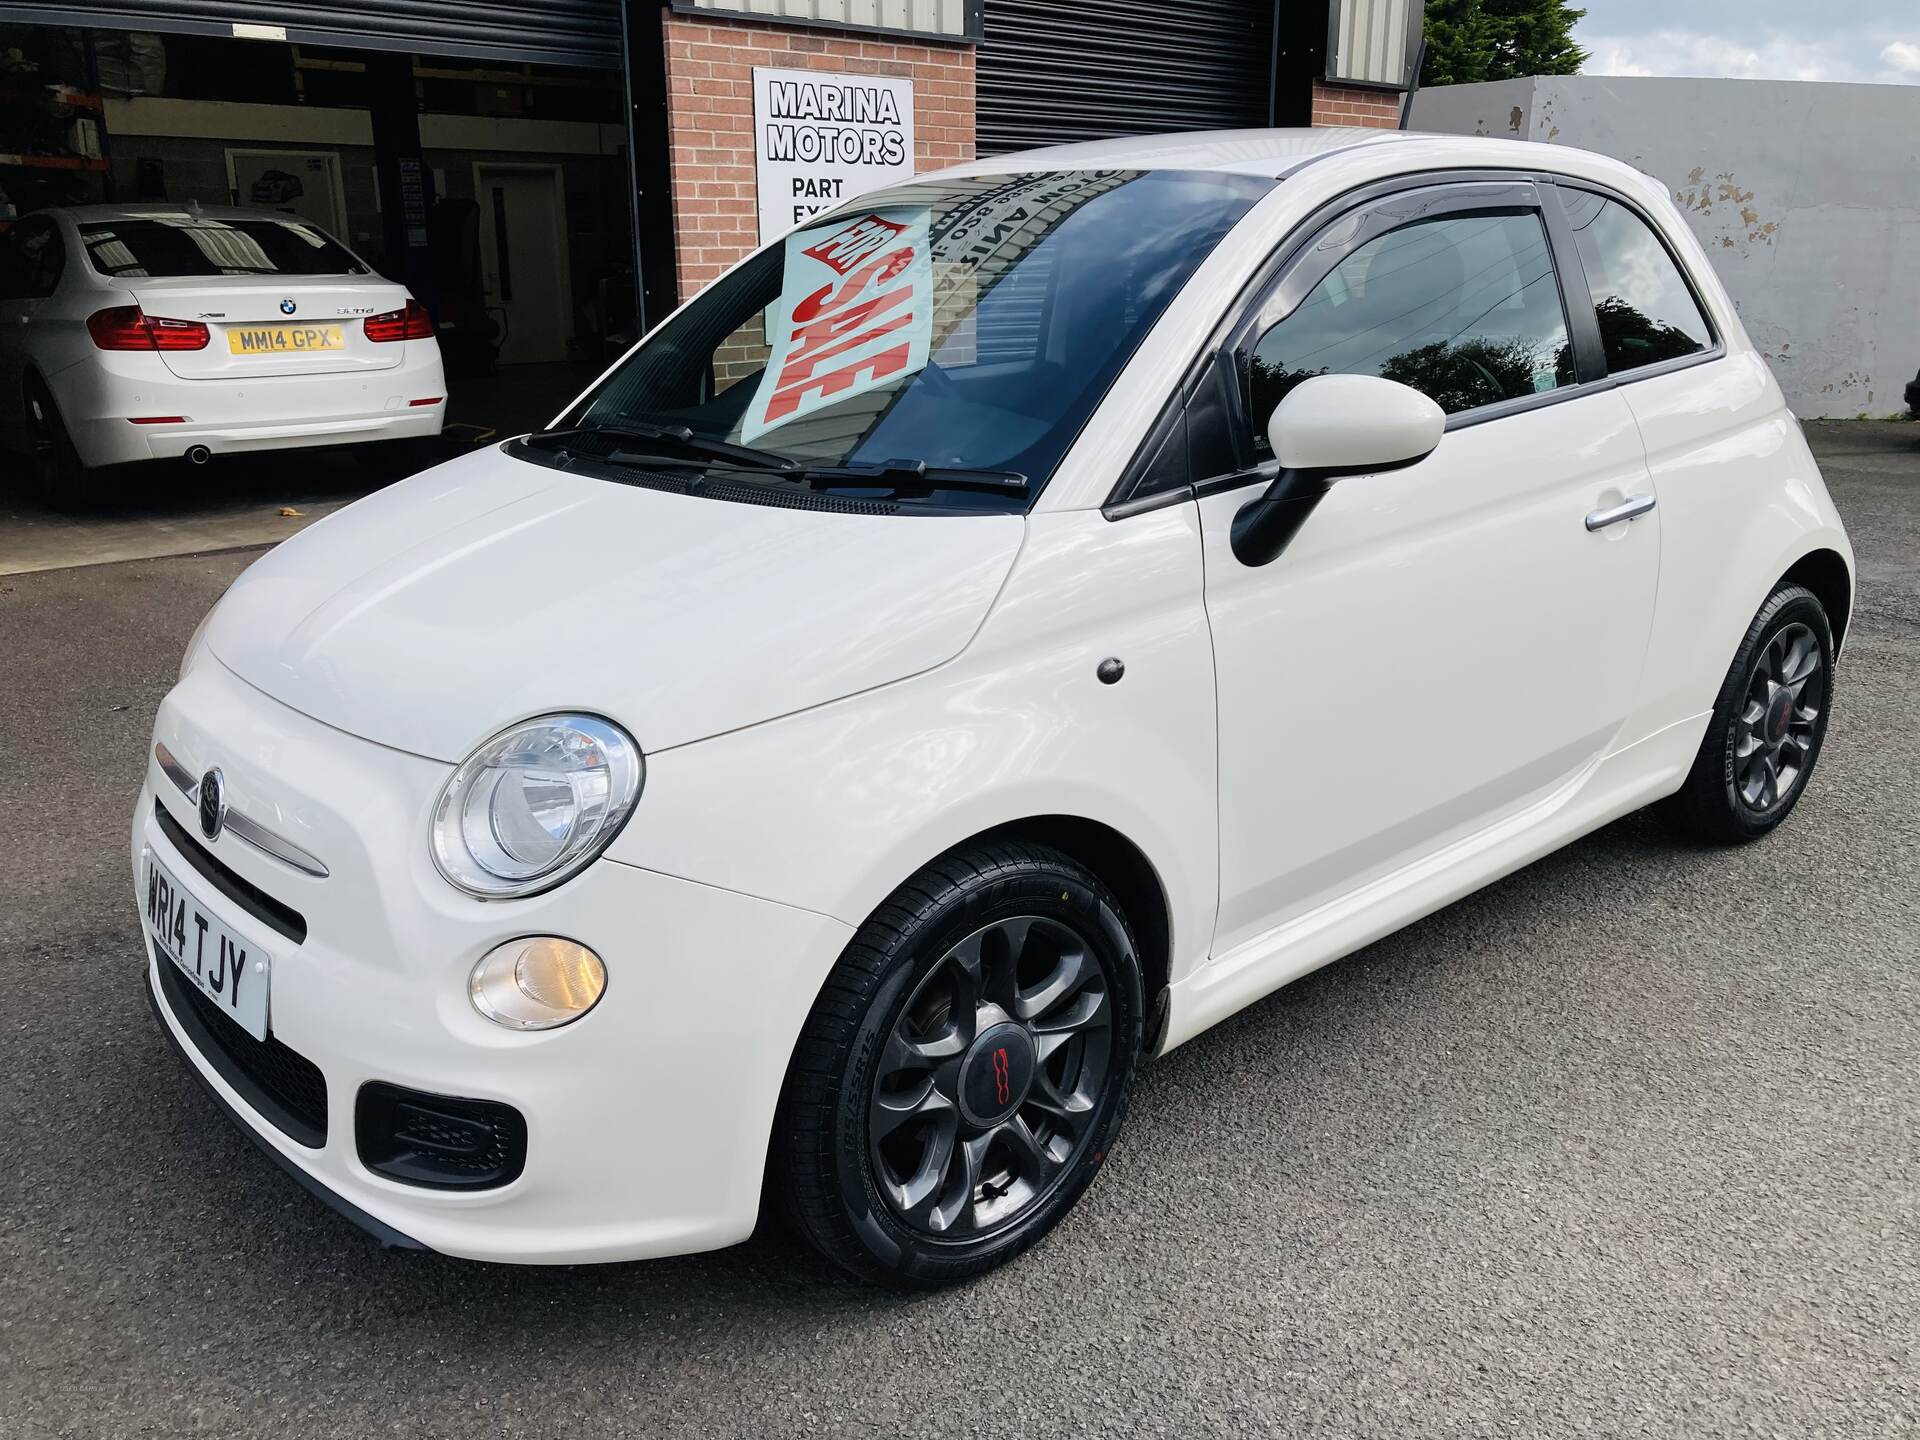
x: 127, y: 327
x: 412, y: 323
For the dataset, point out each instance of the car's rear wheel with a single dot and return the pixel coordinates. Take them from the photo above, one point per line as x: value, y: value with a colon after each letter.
x: 1768, y: 724
x: 56, y: 474
x: 965, y: 1068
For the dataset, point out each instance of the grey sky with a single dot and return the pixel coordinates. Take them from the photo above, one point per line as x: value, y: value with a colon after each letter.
x: 1876, y: 40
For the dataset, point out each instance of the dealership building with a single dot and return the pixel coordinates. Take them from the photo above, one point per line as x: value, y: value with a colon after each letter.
x: 553, y: 175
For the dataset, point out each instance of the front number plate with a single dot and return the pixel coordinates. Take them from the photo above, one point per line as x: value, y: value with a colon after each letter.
x: 285, y: 339
x: 230, y: 971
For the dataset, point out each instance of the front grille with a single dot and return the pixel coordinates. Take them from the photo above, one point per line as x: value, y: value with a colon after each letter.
x: 283, y: 1085
x: 275, y: 914
x: 439, y: 1141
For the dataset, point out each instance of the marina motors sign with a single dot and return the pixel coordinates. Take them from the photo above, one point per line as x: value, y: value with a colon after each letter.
x: 855, y: 313
x: 820, y: 139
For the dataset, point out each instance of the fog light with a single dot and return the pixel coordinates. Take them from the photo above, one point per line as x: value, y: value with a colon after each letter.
x: 537, y: 982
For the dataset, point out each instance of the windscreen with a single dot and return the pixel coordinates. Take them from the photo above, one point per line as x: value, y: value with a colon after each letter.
x: 969, y: 323
x: 165, y: 245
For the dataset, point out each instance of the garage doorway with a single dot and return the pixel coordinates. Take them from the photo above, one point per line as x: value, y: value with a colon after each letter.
x: 523, y: 259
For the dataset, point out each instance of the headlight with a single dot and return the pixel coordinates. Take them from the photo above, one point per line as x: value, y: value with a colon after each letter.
x: 537, y: 983
x: 534, y: 804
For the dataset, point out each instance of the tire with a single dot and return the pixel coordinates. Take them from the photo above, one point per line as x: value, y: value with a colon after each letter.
x: 995, y: 1000
x: 57, y: 477
x: 1768, y: 724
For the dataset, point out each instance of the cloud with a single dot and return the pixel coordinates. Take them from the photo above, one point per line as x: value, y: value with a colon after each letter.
x: 1760, y: 53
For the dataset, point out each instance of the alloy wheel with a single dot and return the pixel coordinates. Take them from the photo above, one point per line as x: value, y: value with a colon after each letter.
x: 991, y: 1078
x: 1777, y: 727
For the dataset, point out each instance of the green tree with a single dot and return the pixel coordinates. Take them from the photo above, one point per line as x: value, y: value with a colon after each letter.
x: 1473, y: 40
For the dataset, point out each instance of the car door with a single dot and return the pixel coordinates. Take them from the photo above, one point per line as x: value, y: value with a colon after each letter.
x: 1443, y: 645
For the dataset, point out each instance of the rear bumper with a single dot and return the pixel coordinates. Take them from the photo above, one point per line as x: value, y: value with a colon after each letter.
x: 101, y: 398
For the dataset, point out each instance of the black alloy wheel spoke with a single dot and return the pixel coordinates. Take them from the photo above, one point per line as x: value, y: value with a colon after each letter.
x: 1033, y: 1162
x: 990, y: 1077
x: 1775, y: 731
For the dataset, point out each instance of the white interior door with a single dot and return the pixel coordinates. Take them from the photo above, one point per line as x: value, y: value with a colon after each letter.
x: 523, y: 261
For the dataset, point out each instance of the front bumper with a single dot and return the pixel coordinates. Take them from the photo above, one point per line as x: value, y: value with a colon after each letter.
x: 647, y: 1120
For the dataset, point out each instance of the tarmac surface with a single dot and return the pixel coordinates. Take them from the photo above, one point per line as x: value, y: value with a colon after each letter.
x: 1625, y: 1144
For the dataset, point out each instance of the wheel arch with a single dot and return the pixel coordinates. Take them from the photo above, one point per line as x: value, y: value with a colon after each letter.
x: 1827, y: 574
x: 1115, y: 859
x: 1123, y: 867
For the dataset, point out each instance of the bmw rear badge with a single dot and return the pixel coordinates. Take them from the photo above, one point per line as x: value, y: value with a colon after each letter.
x: 287, y: 307
x: 213, y: 803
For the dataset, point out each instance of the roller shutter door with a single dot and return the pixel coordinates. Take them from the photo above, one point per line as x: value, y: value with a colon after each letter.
x: 554, y: 32
x: 1056, y: 71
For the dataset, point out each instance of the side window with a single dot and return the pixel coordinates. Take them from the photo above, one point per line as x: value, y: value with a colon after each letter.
x: 1646, y: 312
x: 39, y: 259
x: 1462, y: 307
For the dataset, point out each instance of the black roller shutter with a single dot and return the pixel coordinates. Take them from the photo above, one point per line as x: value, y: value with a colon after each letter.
x: 1056, y: 71
x: 554, y: 32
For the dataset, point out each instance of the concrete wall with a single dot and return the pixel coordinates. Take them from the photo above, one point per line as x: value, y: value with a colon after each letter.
x: 1807, y: 196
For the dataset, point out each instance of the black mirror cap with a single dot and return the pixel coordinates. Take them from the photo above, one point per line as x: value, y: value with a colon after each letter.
x: 1266, y: 526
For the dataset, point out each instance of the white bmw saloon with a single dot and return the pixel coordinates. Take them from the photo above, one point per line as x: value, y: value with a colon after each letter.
x: 132, y: 333
x: 986, y: 638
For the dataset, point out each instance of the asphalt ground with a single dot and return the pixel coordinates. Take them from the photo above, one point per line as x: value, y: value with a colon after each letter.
x: 1625, y: 1144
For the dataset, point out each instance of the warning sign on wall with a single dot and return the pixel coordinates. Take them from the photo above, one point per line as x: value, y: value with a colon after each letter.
x: 820, y: 139
x: 855, y: 312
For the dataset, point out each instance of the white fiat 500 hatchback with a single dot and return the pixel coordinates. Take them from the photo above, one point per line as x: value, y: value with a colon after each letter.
x: 154, y: 331
x: 986, y: 638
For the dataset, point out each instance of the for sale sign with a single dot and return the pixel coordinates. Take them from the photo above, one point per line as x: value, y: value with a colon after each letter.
x: 821, y: 139
x: 854, y: 313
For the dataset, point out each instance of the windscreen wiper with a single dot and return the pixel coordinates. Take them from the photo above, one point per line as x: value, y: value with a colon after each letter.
x: 680, y: 437
x: 914, y: 476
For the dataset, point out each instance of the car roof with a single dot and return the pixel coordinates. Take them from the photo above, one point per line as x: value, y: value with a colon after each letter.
x: 1278, y: 153
x: 167, y: 210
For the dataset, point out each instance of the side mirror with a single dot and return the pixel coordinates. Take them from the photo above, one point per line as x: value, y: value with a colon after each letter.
x: 1326, y: 427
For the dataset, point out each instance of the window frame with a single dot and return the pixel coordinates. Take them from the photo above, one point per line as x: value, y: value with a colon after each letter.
x: 1215, y: 369
x: 1298, y: 281
x: 1716, y: 342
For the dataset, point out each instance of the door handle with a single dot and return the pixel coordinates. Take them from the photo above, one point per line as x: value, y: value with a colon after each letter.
x: 1627, y: 509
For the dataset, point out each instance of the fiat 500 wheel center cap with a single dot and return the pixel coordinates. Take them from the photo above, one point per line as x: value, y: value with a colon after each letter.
x: 994, y: 1077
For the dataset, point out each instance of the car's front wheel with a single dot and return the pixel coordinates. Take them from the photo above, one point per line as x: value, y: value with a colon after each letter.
x: 1768, y: 724
x: 965, y: 1068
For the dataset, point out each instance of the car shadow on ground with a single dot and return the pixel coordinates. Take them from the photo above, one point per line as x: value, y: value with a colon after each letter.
x: 478, y: 1308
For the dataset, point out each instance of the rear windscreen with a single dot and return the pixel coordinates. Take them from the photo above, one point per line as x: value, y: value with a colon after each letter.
x: 186, y: 245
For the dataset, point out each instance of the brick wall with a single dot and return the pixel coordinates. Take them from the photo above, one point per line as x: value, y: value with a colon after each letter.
x: 710, y: 119
x: 1351, y: 105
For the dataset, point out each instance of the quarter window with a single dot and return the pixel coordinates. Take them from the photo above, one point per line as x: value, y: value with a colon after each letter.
x: 1464, y: 308
x: 1646, y: 312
